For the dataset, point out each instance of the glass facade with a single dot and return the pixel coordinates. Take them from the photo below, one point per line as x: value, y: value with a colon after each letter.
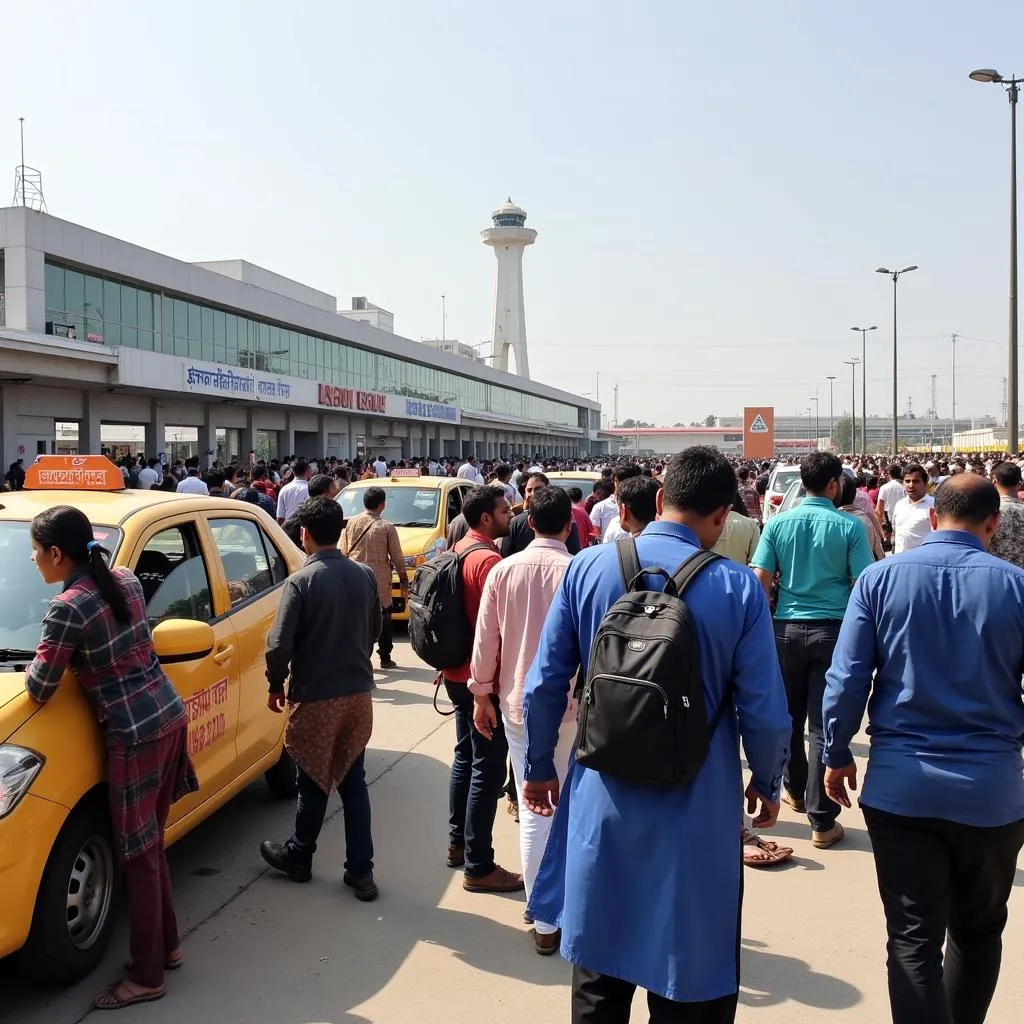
x: 111, y: 312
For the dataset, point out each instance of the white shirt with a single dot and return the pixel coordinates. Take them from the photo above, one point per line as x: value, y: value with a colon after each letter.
x: 911, y: 522
x: 380, y: 467
x: 603, y: 513
x: 614, y: 532
x: 291, y: 497
x: 192, y: 485
x: 467, y: 471
x: 148, y: 477
x: 891, y: 493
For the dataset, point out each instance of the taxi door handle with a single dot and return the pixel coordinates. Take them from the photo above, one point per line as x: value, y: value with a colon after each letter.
x: 223, y: 654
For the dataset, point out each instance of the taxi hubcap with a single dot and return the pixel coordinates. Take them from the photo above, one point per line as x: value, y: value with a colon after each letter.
x: 90, y: 889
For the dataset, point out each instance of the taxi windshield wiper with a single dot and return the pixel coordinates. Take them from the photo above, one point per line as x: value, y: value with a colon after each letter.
x: 12, y: 654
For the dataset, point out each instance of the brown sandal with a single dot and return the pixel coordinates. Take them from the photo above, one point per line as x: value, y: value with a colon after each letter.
x: 109, y: 999
x: 763, y: 853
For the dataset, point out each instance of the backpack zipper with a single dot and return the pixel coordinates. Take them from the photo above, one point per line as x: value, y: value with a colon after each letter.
x: 632, y: 681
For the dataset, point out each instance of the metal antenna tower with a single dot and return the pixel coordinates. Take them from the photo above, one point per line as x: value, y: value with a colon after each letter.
x: 28, y: 181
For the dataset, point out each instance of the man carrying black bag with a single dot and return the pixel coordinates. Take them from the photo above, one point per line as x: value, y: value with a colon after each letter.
x: 643, y: 866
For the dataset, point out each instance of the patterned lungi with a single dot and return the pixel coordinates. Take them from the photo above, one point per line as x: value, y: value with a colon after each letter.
x: 324, y: 737
x: 135, y: 775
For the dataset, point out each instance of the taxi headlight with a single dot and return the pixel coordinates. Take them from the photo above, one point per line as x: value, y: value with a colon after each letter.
x: 18, y: 769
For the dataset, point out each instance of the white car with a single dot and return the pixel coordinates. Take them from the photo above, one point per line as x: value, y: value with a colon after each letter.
x: 781, y: 479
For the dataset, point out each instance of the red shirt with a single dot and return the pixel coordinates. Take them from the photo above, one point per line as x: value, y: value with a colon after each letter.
x: 584, y: 526
x: 475, y: 569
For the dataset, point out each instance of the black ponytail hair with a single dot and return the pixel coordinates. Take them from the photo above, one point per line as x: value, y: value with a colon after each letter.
x: 69, y: 530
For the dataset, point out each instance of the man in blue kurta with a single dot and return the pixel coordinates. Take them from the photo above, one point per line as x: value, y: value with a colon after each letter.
x: 645, y: 882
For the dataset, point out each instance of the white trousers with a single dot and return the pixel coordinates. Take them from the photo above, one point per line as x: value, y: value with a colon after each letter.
x: 534, y: 828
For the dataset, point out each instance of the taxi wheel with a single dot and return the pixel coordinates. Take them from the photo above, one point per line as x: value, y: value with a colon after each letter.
x: 281, y: 779
x: 76, y: 906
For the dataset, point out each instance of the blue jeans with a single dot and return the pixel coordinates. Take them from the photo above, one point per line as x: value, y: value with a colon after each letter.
x: 478, y: 775
x: 805, y: 655
x: 355, y: 802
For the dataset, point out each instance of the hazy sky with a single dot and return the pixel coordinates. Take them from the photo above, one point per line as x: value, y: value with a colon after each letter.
x: 713, y: 183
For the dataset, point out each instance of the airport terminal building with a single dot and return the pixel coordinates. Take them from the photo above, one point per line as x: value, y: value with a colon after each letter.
x: 104, y: 344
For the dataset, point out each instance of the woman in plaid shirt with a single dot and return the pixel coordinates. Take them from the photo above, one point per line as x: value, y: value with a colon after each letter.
x: 97, y: 627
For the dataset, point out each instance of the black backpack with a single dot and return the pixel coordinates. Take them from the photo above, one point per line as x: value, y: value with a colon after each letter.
x: 439, y: 631
x: 642, y: 712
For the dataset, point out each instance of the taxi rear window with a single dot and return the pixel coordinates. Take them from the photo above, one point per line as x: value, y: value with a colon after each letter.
x: 23, y: 594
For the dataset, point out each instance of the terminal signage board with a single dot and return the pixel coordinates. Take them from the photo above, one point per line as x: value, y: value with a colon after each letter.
x: 257, y: 387
x: 335, y: 397
x: 758, y: 432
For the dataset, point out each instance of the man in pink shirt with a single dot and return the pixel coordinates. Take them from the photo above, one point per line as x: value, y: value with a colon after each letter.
x: 515, y: 601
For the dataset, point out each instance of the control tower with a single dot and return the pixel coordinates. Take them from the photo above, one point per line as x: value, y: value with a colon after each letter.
x: 509, y: 238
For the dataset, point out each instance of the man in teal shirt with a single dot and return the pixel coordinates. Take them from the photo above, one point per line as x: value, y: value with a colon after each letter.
x: 818, y: 553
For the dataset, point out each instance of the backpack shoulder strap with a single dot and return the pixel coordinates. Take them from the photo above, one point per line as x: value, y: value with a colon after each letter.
x: 478, y: 546
x: 629, y: 561
x: 685, y: 574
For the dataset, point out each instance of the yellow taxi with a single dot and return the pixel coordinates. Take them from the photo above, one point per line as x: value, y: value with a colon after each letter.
x: 583, y: 479
x: 211, y: 569
x: 421, y: 507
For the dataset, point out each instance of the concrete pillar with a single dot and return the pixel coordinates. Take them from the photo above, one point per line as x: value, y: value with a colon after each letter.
x: 288, y: 436
x: 156, y: 430
x: 89, y: 435
x: 249, y: 436
x: 9, y: 427
x: 24, y: 285
x: 207, y: 439
x: 322, y: 433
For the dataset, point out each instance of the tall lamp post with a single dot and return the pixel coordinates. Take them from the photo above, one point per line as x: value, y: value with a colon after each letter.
x: 852, y: 364
x: 1012, y: 86
x: 831, y: 411
x: 864, y: 386
x: 817, y: 429
x: 895, y: 275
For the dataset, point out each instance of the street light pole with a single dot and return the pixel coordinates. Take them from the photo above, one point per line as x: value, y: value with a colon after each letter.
x: 895, y: 275
x: 1012, y: 86
x: 831, y: 412
x: 864, y: 386
x: 814, y: 399
x: 852, y: 364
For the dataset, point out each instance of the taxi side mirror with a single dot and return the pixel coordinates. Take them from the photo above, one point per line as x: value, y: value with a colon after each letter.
x: 182, y: 640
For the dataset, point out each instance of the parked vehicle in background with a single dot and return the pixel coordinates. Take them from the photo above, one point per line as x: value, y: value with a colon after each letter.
x: 782, y: 477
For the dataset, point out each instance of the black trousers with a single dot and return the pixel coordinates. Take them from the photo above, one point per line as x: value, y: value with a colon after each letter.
x: 602, y: 999
x: 805, y: 655
x: 386, y: 640
x: 942, y: 882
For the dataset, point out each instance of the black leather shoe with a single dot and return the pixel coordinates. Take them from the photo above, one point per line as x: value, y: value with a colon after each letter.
x: 280, y: 857
x: 365, y: 888
x: 387, y: 665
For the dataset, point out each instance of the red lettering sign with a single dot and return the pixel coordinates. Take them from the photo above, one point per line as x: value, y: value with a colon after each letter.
x: 348, y: 398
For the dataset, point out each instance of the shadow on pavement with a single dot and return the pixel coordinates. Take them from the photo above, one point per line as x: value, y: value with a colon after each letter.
x: 768, y: 979
x: 268, y: 950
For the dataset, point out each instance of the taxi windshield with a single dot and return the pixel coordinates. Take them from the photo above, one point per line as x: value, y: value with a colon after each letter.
x: 404, y: 506
x: 23, y: 594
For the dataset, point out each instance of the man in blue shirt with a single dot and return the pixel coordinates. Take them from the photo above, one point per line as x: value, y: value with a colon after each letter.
x: 818, y: 552
x: 645, y: 882
x: 941, y: 628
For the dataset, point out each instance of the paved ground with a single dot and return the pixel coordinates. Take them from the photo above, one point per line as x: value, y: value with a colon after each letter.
x: 261, y: 950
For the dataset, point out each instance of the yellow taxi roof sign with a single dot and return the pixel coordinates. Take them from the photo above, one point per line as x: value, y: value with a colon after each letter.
x: 73, y: 473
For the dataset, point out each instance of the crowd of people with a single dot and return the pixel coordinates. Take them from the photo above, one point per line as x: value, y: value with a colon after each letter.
x: 892, y: 580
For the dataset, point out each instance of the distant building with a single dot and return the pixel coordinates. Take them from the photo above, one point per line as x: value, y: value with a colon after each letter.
x: 455, y: 348
x: 367, y: 313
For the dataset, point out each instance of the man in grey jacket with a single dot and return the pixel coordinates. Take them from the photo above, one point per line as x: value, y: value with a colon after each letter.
x: 321, y: 642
